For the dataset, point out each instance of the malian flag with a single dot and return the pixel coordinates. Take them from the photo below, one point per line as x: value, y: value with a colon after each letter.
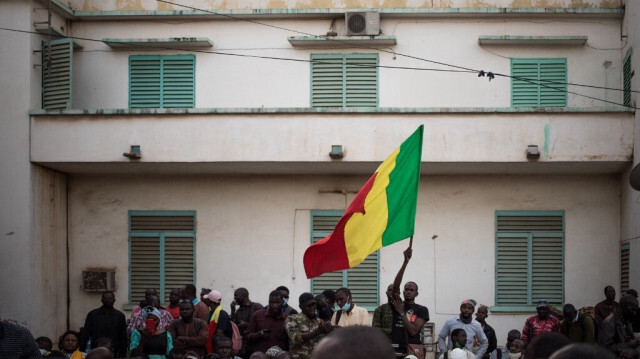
x: 382, y: 213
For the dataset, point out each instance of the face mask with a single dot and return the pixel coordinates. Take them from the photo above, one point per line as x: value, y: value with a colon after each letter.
x: 514, y: 355
x: 346, y: 306
x: 285, y: 300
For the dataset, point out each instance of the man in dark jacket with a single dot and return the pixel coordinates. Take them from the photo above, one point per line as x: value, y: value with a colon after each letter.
x: 616, y: 332
x: 106, y: 321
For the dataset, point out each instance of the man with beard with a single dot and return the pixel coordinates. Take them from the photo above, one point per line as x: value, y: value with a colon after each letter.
x: 383, y: 315
x: 541, y: 323
x: 305, y: 329
x: 267, y: 327
x: 471, y: 327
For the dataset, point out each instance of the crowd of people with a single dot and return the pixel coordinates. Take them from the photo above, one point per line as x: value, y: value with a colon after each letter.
x: 197, y: 327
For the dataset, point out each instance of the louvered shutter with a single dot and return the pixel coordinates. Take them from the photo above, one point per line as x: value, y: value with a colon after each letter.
x: 361, y: 80
x: 512, y: 271
x: 553, y: 83
x: 627, y: 74
x: 624, y: 266
x: 547, y: 268
x: 178, y: 263
x: 529, y: 258
x: 144, y: 267
x: 362, y: 280
x: 327, y: 81
x: 178, y: 81
x: 344, y: 80
x: 538, y: 82
x: 161, y: 81
x: 57, y: 57
x: 162, y: 252
x: 145, y: 82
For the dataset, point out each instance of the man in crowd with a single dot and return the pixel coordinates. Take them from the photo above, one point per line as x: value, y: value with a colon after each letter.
x: 578, y: 327
x: 471, y: 327
x: 137, y: 320
x: 267, y: 326
x: 616, y: 331
x: 286, y: 308
x: 174, y: 308
x: 106, y: 321
x: 349, y: 313
x: 219, y: 321
x: 544, y: 322
x: 188, y: 332
x: 331, y: 298
x: 607, y: 306
x: 322, y: 305
x: 305, y: 330
x: 145, y: 303
x: 201, y: 309
x: 408, y: 317
x: 358, y: 342
x: 16, y: 342
x: 242, y: 315
x: 481, y: 316
x: 383, y: 315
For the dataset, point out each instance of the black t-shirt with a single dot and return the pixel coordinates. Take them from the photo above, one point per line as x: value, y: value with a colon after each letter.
x: 399, y: 334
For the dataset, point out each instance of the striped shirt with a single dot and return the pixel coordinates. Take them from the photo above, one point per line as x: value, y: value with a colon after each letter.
x: 16, y: 342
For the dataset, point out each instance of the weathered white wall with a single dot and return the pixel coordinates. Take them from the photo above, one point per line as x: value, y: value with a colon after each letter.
x: 101, y: 75
x: 630, y: 220
x: 114, y: 5
x: 15, y: 212
x: 252, y: 232
x: 307, y: 137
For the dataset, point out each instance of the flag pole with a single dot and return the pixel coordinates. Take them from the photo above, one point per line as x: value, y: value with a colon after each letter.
x: 410, y: 241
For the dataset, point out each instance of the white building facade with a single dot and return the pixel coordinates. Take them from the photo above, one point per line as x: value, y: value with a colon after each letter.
x: 228, y: 113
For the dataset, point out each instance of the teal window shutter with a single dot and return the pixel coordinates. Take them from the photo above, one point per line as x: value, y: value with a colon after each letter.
x: 625, y: 252
x: 539, y: 82
x: 627, y: 73
x: 162, y: 81
x: 529, y: 258
x: 363, y: 281
x: 57, y: 59
x: 161, y: 251
x: 344, y: 80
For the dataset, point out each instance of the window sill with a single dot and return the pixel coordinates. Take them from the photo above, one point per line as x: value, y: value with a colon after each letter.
x: 328, y: 110
x: 513, y: 309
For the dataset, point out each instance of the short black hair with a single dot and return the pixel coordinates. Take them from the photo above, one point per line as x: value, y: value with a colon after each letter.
x: 329, y: 294
x: 108, y: 292
x: 355, y: 342
x: 190, y: 289
x: 456, y: 332
x: 218, y: 339
x: 283, y: 288
x: 414, y: 283
x: 545, y: 344
x: 344, y: 290
x: 583, y: 351
x: 43, y: 340
x: 276, y: 293
x: 102, y: 342
x: 607, y: 287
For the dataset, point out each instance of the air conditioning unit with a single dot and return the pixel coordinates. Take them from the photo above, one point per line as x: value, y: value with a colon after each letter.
x: 98, y: 280
x: 363, y: 23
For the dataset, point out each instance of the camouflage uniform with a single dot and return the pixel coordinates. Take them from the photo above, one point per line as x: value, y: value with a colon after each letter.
x: 301, y: 324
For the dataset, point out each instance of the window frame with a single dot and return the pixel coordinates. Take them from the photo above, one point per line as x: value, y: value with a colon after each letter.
x: 529, y: 235
x: 539, y: 81
x: 161, y: 235
x: 163, y: 97
x: 345, y: 273
x: 315, y: 58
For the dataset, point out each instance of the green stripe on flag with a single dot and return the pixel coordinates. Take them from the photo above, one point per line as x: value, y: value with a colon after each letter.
x: 402, y: 191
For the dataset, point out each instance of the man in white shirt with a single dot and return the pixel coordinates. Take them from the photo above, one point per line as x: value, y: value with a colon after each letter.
x: 349, y: 313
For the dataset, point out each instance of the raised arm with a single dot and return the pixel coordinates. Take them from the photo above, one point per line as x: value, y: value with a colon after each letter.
x: 398, y: 281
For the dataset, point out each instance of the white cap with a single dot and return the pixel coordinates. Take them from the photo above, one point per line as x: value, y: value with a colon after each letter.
x: 411, y: 356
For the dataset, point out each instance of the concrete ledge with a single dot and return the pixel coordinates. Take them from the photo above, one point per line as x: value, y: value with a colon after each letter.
x: 327, y: 110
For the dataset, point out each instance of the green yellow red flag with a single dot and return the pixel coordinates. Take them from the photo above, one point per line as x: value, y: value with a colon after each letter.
x: 382, y: 213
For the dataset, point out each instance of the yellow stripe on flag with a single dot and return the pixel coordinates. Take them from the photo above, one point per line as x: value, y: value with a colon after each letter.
x: 363, y: 232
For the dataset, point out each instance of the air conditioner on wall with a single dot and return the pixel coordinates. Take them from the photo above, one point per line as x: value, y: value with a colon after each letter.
x: 98, y: 280
x: 363, y: 23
